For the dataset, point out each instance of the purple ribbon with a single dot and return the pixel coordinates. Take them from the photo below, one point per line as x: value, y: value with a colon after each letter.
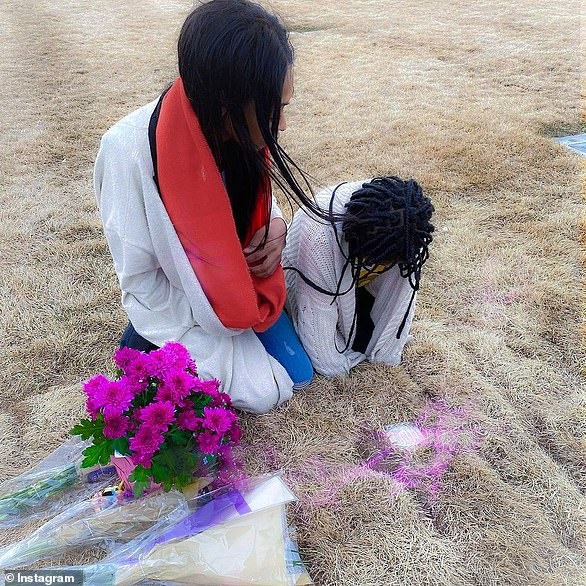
x: 212, y: 513
x: 217, y: 510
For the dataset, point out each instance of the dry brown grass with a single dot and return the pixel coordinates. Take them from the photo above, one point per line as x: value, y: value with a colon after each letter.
x: 464, y: 96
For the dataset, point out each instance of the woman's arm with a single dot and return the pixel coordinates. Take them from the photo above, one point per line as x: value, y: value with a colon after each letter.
x: 158, y: 310
x: 392, y: 298
x: 264, y: 261
x: 317, y: 328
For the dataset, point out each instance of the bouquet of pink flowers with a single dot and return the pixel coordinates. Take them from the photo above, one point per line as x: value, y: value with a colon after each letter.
x: 159, y: 413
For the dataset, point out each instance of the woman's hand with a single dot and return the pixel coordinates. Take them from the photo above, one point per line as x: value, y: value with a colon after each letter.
x: 263, y: 261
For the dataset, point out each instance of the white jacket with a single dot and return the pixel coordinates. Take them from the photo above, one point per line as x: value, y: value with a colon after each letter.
x: 322, y: 326
x: 160, y: 292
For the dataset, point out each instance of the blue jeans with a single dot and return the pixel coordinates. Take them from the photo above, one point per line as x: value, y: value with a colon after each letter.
x: 283, y: 344
x: 280, y: 341
x: 133, y: 339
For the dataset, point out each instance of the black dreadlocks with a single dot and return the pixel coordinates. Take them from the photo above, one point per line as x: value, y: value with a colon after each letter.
x: 387, y: 222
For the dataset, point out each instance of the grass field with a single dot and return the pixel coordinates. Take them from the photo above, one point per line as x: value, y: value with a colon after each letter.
x: 463, y: 96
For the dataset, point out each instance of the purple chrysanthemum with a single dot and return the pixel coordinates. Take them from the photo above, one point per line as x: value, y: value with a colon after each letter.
x: 134, y: 385
x: 140, y: 366
x: 208, y: 387
x: 112, y: 395
x: 159, y: 364
x: 92, y: 407
x: 235, y: 434
x: 218, y: 419
x: 176, y: 386
x: 124, y: 357
x: 144, y: 444
x: 208, y: 442
x: 225, y: 399
x: 95, y: 386
x: 187, y: 420
x: 158, y: 415
x: 167, y: 394
x: 116, y: 426
x: 226, y: 456
x: 176, y: 355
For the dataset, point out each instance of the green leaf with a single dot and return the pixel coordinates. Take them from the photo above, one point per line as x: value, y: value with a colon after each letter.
x: 148, y: 395
x: 200, y: 401
x: 99, y: 452
x: 160, y: 471
x: 139, y: 487
x: 92, y: 456
x: 87, y: 428
x: 140, y: 473
x: 121, y: 445
x: 190, y: 461
x: 141, y: 478
x: 99, y: 429
x: 173, y: 465
x: 183, y: 480
x: 106, y: 452
x: 180, y: 438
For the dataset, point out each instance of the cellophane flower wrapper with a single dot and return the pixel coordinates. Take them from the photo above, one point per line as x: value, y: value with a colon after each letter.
x: 51, y: 486
x: 100, y: 520
x: 238, y: 536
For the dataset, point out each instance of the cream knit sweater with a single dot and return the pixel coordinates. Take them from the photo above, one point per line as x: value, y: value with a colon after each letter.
x: 322, y: 326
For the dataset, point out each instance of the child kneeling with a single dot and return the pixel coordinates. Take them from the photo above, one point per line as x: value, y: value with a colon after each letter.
x: 352, y: 283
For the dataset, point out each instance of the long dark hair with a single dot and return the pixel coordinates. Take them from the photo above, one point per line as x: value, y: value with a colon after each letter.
x: 233, y: 53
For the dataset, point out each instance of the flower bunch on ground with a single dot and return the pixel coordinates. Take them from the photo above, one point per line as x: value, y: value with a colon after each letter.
x: 161, y: 414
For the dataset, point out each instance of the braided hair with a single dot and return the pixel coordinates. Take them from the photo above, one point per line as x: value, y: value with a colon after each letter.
x: 386, y: 222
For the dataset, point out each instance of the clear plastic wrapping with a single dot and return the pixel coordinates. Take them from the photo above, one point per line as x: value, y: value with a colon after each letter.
x: 229, y: 537
x: 51, y: 486
x: 94, y: 521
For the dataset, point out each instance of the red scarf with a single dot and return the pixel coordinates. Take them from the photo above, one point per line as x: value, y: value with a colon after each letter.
x: 199, y: 207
